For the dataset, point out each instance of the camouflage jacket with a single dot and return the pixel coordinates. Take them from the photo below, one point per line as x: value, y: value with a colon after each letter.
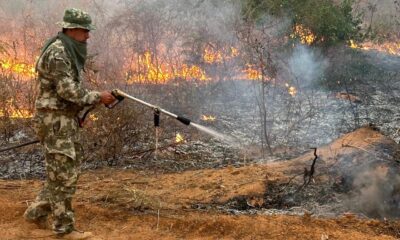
x: 60, y: 86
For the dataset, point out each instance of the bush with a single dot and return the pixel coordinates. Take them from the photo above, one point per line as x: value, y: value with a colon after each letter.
x: 330, y: 23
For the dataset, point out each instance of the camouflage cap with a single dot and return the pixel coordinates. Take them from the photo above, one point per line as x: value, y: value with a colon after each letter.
x: 76, y: 18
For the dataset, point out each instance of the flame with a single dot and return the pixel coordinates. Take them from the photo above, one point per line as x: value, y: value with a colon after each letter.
x: 291, y: 90
x: 12, y: 113
x: 208, y: 118
x: 234, y: 52
x: 353, y: 45
x: 252, y: 72
x: 9, y: 110
x: 392, y: 48
x: 179, y: 138
x: 304, y: 34
x: 151, y: 68
x: 21, y: 69
x: 211, y: 56
x: 93, y: 117
x: 192, y: 72
x: 149, y: 72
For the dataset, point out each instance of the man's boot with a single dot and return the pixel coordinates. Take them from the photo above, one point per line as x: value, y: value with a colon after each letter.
x: 77, y: 235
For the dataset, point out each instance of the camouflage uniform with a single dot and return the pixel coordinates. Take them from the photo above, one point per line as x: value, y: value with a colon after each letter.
x: 61, y: 96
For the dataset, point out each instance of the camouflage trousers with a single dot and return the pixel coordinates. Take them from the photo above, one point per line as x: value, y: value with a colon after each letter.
x: 58, y: 133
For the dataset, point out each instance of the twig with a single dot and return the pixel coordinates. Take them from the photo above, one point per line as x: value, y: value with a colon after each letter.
x: 290, y: 180
x: 309, y: 173
x: 158, y: 218
x: 360, y: 148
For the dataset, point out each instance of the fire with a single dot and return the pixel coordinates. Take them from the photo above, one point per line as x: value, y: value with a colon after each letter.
x: 234, y: 52
x: 391, y: 48
x: 208, y: 118
x: 179, y: 138
x: 192, y: 72
x: 21, y: 69
x: 93, y: 117
x: 353, y: 45
x: 20, y: 113
x: 304, y: 34
x: 211, y: 56
x: 252, y: 73
x: 291, y: 90
x: 146, y: 71
x: 149, y: 68
x: 9, y: 110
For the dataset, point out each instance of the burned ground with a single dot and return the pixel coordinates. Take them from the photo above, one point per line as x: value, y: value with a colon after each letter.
x: 252, y: 201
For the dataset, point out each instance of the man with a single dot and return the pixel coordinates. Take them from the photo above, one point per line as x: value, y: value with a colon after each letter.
x: 61, y: 96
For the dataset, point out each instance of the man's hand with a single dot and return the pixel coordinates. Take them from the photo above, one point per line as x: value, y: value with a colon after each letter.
x: 106, y: 97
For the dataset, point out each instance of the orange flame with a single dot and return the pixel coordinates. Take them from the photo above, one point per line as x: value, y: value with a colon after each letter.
x: 353, y: 44
x: 208, y: 118
x: 211, y: 56
x: 304, y: 34
x: 179, y: 138
x: 93, y: 117
x: 253, y: 73
x: 12, y: 113
x: 149, y: 72
x: 9, y: 110
x: 20, y: 69
x: 391, y: 48
x: 291, y: 90
x: 234, y: 52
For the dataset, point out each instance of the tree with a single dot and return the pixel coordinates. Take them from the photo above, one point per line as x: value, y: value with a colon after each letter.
x: 329, y: 22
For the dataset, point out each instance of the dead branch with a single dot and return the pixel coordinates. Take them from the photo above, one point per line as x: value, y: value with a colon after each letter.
x: 309, y: 173
x: 360, y: 148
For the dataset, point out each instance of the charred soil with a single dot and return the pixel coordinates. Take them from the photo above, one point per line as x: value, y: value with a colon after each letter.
x: 255, y: 201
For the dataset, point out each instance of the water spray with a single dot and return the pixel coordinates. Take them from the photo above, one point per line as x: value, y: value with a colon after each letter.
x: 120, y: 95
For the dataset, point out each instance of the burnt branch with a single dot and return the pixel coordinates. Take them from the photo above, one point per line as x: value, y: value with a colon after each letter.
x: 309, y: 174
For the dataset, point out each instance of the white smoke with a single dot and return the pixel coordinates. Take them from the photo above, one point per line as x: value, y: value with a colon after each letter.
x: 376, y: 192
x: 307, y: 65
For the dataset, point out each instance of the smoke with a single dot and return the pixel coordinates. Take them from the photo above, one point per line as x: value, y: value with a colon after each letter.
x: 376, y: 192
x: 197, y: 19
x: 307, y: 64
x: 214, y: 18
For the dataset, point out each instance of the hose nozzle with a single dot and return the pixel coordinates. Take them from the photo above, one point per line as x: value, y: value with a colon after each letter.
x: 183, y: 120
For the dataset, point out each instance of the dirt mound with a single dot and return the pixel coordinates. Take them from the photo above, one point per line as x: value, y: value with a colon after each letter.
x: 357, y: 172
x: 215, y: 203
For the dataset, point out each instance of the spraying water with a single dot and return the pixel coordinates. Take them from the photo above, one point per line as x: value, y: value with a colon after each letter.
x: 214, y: 133
x: 120, y: 95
